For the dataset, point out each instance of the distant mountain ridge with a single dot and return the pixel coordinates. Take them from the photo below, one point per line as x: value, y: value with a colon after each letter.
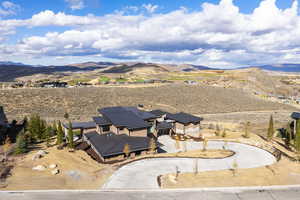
x: 9, y: 71
x: 281, y: 67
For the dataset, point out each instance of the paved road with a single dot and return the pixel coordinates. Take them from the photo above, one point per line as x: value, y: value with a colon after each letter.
x: 230, y: 194
x: 143, y: 174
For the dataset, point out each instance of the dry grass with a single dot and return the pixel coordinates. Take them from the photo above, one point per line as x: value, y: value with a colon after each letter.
x: 82, y: 103
x: 88, y: 173
x: 284, y: 172
x: 210, y: 153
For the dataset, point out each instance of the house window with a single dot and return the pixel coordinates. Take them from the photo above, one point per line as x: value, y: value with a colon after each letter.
x: 106, y: 128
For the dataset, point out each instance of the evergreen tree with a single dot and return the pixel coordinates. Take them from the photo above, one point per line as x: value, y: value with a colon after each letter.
x: 21, y: 144
x: 288, y: 136
x: 247, y: 135
x: 224, y: 134
x: 36, y: 128
x: 126, y: 150
x: 48, y: 135
x: 218, y: 131
x: 152, y: 145
x: 70, y: 136
x: 60, y: 134
x: 54, y: 129
x: 297, y: 139
x: 270, y: 129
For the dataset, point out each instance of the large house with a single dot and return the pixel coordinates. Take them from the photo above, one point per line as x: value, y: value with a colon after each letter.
x: 108, y: 133
x: 3, y: 124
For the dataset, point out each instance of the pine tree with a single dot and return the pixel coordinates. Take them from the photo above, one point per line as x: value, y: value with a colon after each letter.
x: 21, y: 144
x: 60, y: 134
x: 218, y: 131
x: 270, y: 129
x: 224, y: 134
x: 70, y: 136
x: 288, y: 136
x: 152, y: 145
x: 36, y: 128
x: 247, y: 135
x: 204, y: 145
x: 297, y: 139
x: 48, y: 135
x: 126, y: 150
x: 54, y: 129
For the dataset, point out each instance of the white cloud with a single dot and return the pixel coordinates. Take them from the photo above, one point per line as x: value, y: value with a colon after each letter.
x: 76, y: 4
x: 217, y: 35
x: 8, y: 8
x: 150, y: 8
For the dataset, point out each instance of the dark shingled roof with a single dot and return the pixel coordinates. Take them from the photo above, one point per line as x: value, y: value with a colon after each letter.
x: 295, y: 115
x: 163, y: 125
x: 159, y: 113
x: 3, y: 119
x: 81, y: 125
x: 101, y: 121
x: 184, y: 118
x: 111, y: 144
x: 120, y: 117
x: 140, y: 113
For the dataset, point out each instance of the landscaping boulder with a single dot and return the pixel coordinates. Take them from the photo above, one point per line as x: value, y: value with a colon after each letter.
x: 55, y: 171
x: 39, y: 155
x: 41, y: 152
x: 39, y: 168
x: 52, y: 166
x: 36, y: 157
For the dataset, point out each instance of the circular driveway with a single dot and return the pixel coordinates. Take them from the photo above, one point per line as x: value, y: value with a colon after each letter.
x: 143, y: 174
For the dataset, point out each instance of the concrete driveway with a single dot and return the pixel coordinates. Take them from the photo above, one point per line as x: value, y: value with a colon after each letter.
x: 143, y: 174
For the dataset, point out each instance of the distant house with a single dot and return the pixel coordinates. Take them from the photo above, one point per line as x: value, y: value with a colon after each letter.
x: 54, y: 84
x: 190, y: 82
x: 3, y: 124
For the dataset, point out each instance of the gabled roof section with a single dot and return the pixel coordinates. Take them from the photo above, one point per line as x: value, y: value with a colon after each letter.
x: 3, y: 118
x: 101, y: 121
x: 159, y: 113
x: 184, y: 118
x: 140, y: 113
x: 81, y: 125
x: 295, y: 115
x: 111, y: 144
x: 121, y: 117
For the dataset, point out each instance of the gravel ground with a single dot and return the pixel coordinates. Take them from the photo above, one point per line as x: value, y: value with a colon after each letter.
x: 82, y: 103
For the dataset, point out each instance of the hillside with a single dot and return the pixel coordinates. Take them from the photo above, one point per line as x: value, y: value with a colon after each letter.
x: 82, y: 103
x: 139, y: 68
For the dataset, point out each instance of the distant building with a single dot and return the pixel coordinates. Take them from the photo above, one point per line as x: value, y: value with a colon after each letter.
x: 190, y: 82
x: 54, y: 84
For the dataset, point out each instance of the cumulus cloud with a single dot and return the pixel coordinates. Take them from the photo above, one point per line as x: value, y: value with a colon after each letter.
x: 217, y: 35
x: 75, y: 4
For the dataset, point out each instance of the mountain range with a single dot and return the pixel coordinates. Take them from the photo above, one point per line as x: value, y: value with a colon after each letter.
x: 9, y: 71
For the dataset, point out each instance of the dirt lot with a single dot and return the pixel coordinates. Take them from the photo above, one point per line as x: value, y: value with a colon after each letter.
x: 77, y: 171
x: 284, y: 172
x: 82, y: 103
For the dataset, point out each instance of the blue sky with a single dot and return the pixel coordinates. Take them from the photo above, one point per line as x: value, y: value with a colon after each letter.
x: 217, y: 33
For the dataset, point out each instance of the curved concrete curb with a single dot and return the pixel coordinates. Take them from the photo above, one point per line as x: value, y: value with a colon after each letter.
x: 144, y: 173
